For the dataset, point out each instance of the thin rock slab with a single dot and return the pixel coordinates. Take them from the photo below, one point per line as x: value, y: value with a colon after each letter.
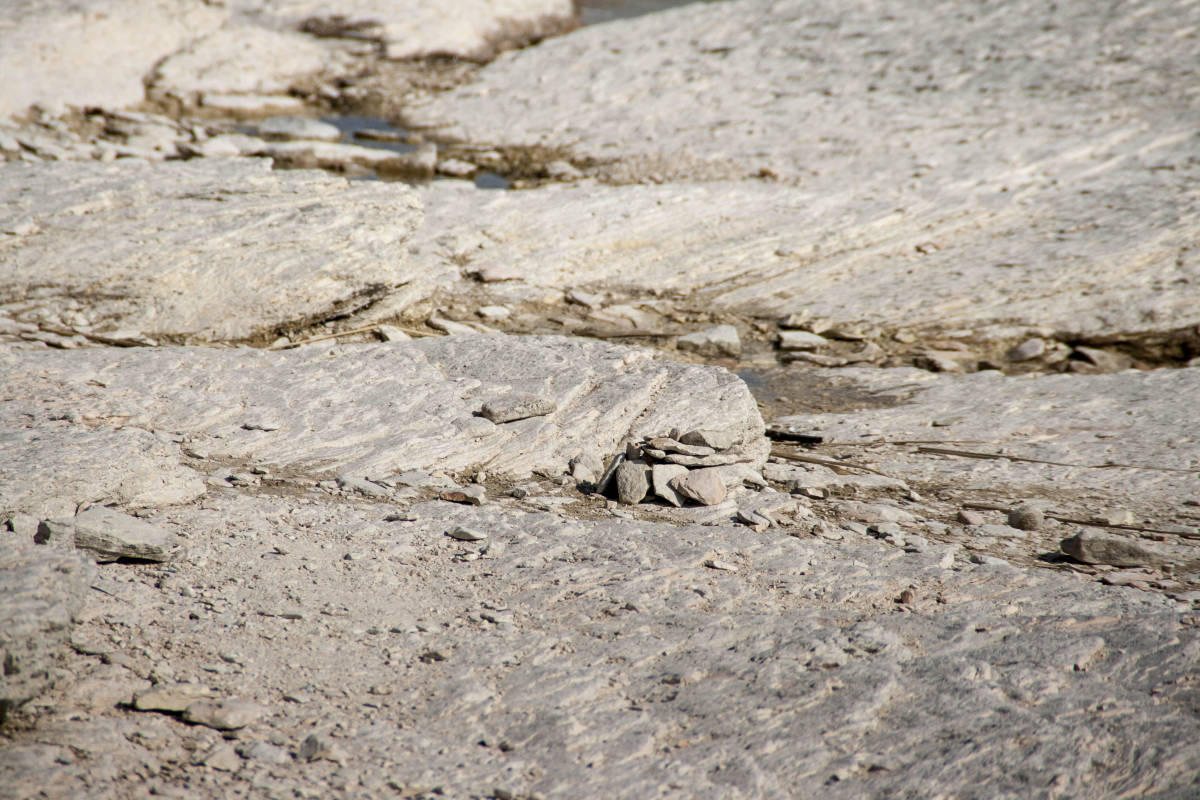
x: 109, y: 535
x: 661, y: 477
x: 161, y: 248
x: 517, y: 406
x: 1093, y: 546
x: 703, y: 486
x: 223, y: 715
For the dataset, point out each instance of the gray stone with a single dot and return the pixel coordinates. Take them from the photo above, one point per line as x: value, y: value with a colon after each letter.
x: 223, y: 715
x: 298, y: 128
x: 1030, y: 348
x: 363, y: 486
x: 716, y: 439
x: 969, y: 517
x: 633, y: 482
x: 1026, y: 518
x: 720, y: 341
x: 661, y: 476
x: 40, y: 591
x: 1097, y: 547
x: 109, y: 535
x: 175, y: 697
x: 251, y: 104
x: 703, y: 486
x: 473, y: 495
x: 263, y: 752
x: 800, y: 340
x: 511, y: 408
x: 666, y: 444
x: 464, y: 534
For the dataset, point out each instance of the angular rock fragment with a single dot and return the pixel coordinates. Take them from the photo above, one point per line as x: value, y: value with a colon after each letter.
x: 800, y: 340
x: 223, y: 715
x: 473, y: 495
x: 716, y: 439
x: 513, y: 407
x: 110, y: 535
x: 465, y: 534
x: 661, y: 477
x: 1097, y: 547
x: 1026, y: 518
x: 703, y: 486
x: 173, y: 697
x: 722, y: 340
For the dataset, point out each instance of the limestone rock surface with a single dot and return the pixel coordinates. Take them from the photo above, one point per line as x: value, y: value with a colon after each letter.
x: 92, y: 52
x: 206, y: 250
x: 1118, y: 440
x: 372, y: 409
x: 879, y: 167
x: 40, y: 589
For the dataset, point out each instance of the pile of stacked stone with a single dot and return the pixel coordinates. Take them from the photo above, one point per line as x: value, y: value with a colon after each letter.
x: 683, y: 466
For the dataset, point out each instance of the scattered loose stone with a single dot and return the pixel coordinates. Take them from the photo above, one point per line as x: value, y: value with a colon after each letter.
x: 1098, y: 547
x: 298, y: 128
x: 718, y: 564
x: 223, y: 715
x: 111, y: 535
x: 222, y: 756
x: 362, y: 486
x: 456, y: 168
x: 318, y: 746
x: 264, y: 752
x: 390, y: 333
x: 661, y: 476
x: 969, y: 517
x: 1030, y: 348
x: 464, y: 534
x: 722, y: 340
x: 671, y: 446
x: 251, y: 104
x: 800, y: 340
x: 174, y: 697
x: 633, y: 481
x: 937, y: 363
x: 473, y: 495
x: 704, y: 486
x: 1026, y: 518
x: 513, y: 407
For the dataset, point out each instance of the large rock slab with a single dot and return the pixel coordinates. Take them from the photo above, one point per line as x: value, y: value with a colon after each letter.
x: 92, y: 52
x: 40, y: 589
x: 367, y: 410
x: 205, y: 250
x: 1122, y: 440
x: 769, y: 250
x: 1003, y: 166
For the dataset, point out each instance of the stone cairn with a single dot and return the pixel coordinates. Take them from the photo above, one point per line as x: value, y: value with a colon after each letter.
x: 692, y: 466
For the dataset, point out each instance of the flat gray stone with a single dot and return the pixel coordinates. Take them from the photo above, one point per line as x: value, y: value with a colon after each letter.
x: 174, y: 697
x: 1098, y: 547
x: 110, y: 535
x: 720, y: 341
x: 703, y: 486
x: 511, y: 408
x: 298, y: 128
x: 162, y: 248
x: 223, y: 715
x: 800, y: 340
